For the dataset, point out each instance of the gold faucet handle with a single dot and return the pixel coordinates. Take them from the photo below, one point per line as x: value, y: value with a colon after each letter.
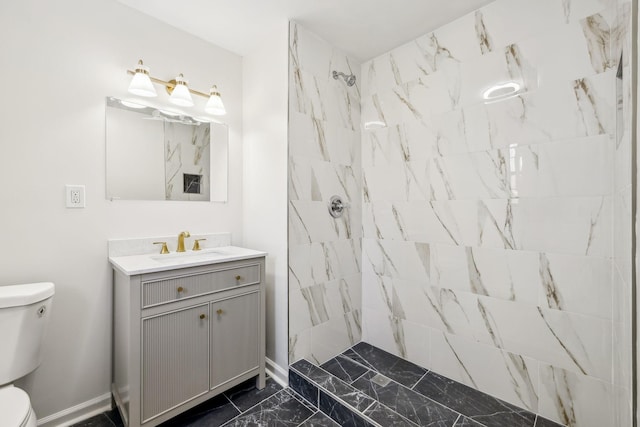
x: 196, y: 244
x: 164, y: 249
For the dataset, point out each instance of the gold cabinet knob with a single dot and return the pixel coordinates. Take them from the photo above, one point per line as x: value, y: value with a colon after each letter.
x: 180, y: 289
x: 203, y: 316
x: 220, y: 312
x: 238, y: 277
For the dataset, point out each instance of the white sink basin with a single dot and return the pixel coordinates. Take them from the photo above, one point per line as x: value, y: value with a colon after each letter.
x: 192, y: 256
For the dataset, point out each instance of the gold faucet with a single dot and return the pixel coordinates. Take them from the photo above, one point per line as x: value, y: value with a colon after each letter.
x: 181, y: 237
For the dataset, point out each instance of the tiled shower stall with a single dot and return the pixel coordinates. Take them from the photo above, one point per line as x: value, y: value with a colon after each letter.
x: 487, y: 240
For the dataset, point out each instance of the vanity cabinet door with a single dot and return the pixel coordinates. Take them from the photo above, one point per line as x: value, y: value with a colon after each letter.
x: 174, y: 357
x: 235, y: 327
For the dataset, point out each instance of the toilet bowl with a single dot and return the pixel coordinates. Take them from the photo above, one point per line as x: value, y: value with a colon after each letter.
x: 15, y: 408
x: 24, y: 316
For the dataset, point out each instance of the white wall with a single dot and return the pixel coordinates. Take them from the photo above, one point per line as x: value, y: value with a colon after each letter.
x: 265, y: 177
x: 59, y: 61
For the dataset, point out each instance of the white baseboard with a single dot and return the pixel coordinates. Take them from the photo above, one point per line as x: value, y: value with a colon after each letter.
x: 78, y: 413
x: 279, y: 374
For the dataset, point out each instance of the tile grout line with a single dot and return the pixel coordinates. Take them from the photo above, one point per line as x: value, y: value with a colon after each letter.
x: 308, y: 418
x: 375, y: 400
x: 421, y: 378
x: 371, y: 367
x: 420, y: 394
x: 361, y: 375
x: 334, y: 396
x: 250, y: 408
x: 232, y: 404
x: 300, y: 398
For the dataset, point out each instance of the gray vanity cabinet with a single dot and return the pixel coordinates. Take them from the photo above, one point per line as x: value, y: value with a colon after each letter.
x: 174, y: 355
x: 185, y: 335
x: 234, y: 337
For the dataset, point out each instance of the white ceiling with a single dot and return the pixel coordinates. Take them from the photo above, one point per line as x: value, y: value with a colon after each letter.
x: 362, y: 28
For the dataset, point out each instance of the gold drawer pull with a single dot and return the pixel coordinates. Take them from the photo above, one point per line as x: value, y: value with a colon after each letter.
x: 203, y: 316
x: 220, y: 312
x: 180, y: 289
x: 238, y: 277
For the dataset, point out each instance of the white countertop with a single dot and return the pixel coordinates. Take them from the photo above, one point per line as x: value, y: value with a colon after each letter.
x: 149, y: 263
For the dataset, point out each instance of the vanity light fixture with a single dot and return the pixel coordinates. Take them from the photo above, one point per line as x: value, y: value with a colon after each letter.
x: 214, y: 105
x: 180, y: 92
x: 141, y: 85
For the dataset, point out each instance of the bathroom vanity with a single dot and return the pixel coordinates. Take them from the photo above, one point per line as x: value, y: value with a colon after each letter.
x: 186, y: 327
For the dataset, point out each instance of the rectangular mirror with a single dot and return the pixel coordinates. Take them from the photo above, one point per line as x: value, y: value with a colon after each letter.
x: 156, y: 154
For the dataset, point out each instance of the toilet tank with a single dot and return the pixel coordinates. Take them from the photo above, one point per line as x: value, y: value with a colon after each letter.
x: 24, y: 316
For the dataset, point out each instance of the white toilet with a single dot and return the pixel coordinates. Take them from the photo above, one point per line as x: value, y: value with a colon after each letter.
x: 24, y: 315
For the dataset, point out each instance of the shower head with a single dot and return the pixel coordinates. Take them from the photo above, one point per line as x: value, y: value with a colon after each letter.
x: 349, y: 79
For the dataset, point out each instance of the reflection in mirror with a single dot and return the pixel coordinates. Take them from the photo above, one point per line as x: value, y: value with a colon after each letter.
x: 155, y: 154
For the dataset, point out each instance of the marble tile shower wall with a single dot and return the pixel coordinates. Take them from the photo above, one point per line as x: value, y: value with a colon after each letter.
x: 325, y: 254
x: 622, y: 239
x: 487, y: 226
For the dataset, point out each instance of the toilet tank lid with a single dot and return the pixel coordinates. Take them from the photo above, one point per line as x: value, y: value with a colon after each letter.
x: 30, y: 293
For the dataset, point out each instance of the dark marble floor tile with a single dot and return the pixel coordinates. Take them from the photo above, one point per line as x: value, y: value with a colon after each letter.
x: 355, y: 356
x: 467, y: 422
x: 386, y: 417
x: 212, y: 413
x: 406, y: 402
x: 246, y: 395
x: 319, y: 420
x: 281, y: 409
x: 344, y: 368
x: 308, y: 369
x: 399, y: 370
x: 472, y: 403
x: 333, y: 385
x: 303, y: 387
x: 101, y: 420
x: 340, y: 413
x: 543, y: 422
x: 115, y: 418
x: 292, y: 392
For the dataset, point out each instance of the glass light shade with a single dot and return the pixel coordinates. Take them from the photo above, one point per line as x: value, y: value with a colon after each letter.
x: 141, y: 83
x: 214, y: 105
x: 180, y: 95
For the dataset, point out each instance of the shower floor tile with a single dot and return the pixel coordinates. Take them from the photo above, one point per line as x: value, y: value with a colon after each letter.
x: 472, y: 403
x: 406, y: 402
x: 399, y: 370
x: 404, y: 394
x: 344, y: 368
